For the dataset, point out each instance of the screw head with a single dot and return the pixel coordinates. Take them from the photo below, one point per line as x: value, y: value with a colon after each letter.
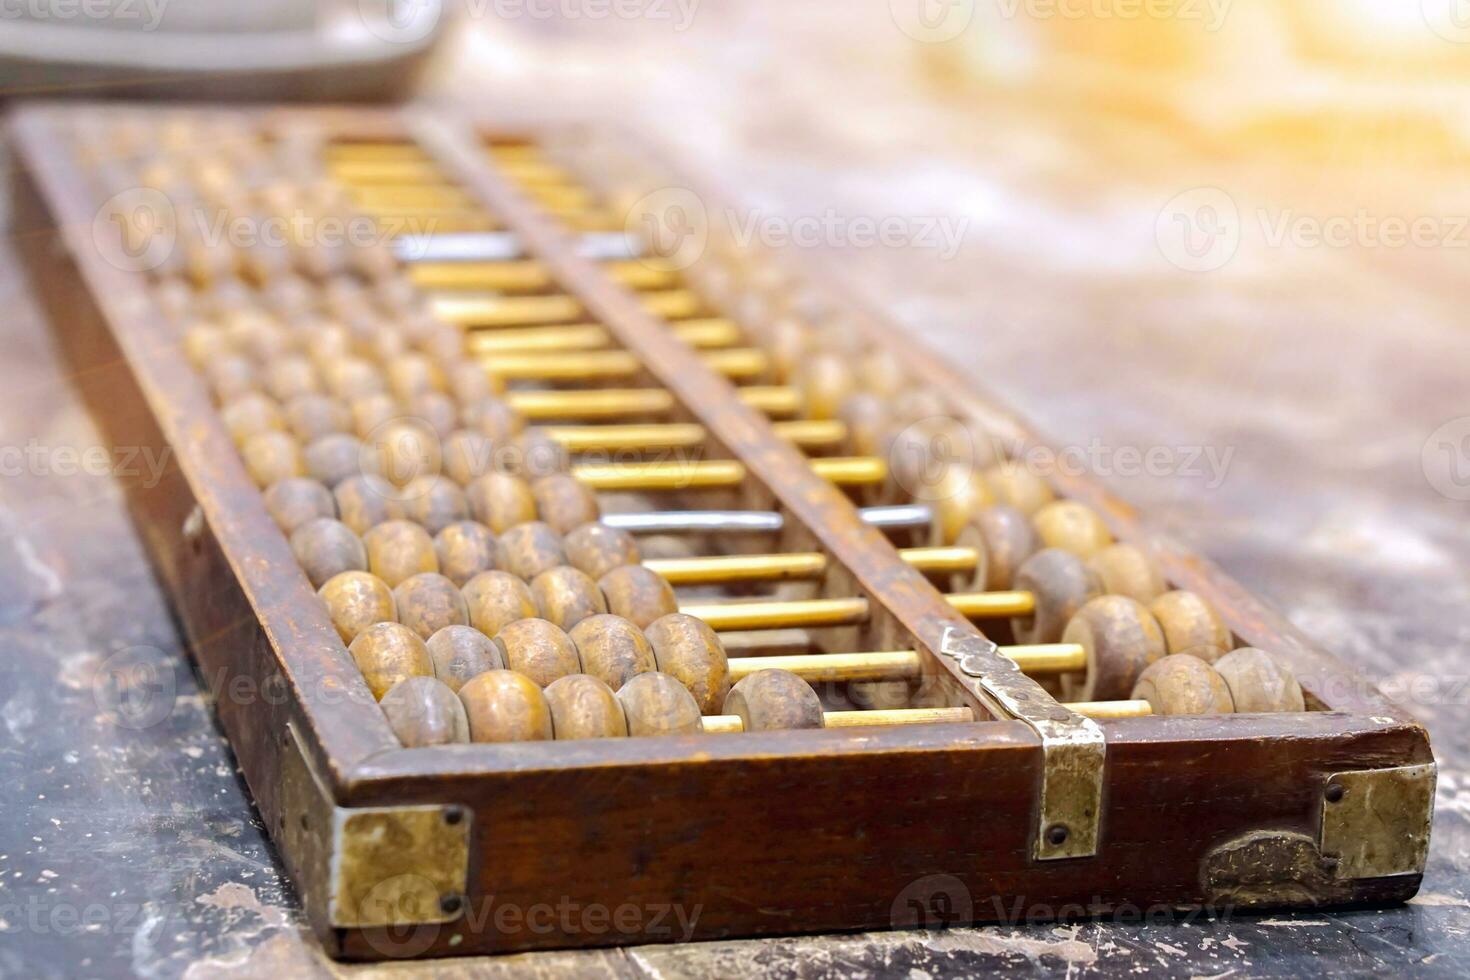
x: 1334, y: 792
x: 453, y: 815
x: 1056, y: 835
x: 451, y: 904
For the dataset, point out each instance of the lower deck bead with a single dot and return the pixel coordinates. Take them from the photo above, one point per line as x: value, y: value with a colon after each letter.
x: 638, y: 594
x: 539, y: 650
x: 460, y: 653
x: 1061, y: 585
x: 584, y: 707
x: 1121, y: 638
x: 686, y: 649
x: 1072, y: 526
x: 399, y: 550
x: 565, y: 596
x: 1259, y: 682
x: 326, y: 548
x: 1183, y: 685
x: 597, y: 549
x: 501, y: 501
x: 527, y: 550
x: 428, y: 602
x: 497, y: 599
x: 357, y: 600
x: 504, y: 706
x: 423, y: 711
x: 774, y: 700
x: 657, y: 704
x: 297, y: 501
x: 1188, y: 620
x: 612, y: 649
x: 465, y: 549
x: 564, y: 502
x: 1125, y: 570
x: 387, y: 653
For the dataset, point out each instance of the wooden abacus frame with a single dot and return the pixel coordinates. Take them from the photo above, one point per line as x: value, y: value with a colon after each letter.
x: 404, y: 852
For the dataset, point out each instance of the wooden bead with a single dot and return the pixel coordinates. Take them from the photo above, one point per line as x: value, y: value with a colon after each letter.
x: 918, y: 403
x: 597, y: 549
x: 467, y: 382
x: 436, y: 410
x: 357, y: 600
x: 566, y: 596
x: 428, y: 602
x: 497, y: 599
x: 686, y: 649
x: 271, y: 457
x: 1125, y: 570
x: 1018, y: 487
x: 411, y: 373
x: 584, y: 707
x: 638, y: 594
x: 365, y: 501
x: 1209, y: 654
x: 1259, y: 682
x: 311, y: 416
x: 1005, y: 538
x: 789, y: 343
x: 386, y: 653
x: 251, y: 414
x: 468, y: 455
x: 290, y: 376
x: 529, y: 549
x: 459, y: 653
x: 1061, y: 584
x: 1072, y: 526
x: 399, y: 550
x: 333, y: 458
x: 465, y: 549
x: 422, y: 712
x: 404, y: 449
x: 353, y: 379
x: 612, y: 649
x: 231, y: 376
x: 297, y: 501
x: 325, y: 548
x: 957, y: 499
x: 1189, y: 621
x: 434, y: 503
x: 504, y: 706
x: 534, y: 455
x: 540, y: 650
x: 825, y: 381
x: 500, y: 501
x: 1183, y: 685
x: 564, y: 502
x: 203, y: 342
x: 869, y: 424
x: 774, y: 700
x: 371, y: 414
x: 1121, y: 638
x: 494, y: 418
x: 657, y: 704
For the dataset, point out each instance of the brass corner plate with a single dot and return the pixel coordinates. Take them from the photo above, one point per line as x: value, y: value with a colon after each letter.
x: 365, y: 867
x: 1375, y: 822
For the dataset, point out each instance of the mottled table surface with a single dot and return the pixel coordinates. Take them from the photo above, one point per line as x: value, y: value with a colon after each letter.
x: 1317, y: 376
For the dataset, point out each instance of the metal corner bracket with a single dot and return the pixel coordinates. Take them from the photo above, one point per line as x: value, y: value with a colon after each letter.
x: 1074, y: 751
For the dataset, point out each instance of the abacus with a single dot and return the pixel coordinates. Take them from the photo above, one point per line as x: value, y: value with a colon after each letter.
x: 532, y: 563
